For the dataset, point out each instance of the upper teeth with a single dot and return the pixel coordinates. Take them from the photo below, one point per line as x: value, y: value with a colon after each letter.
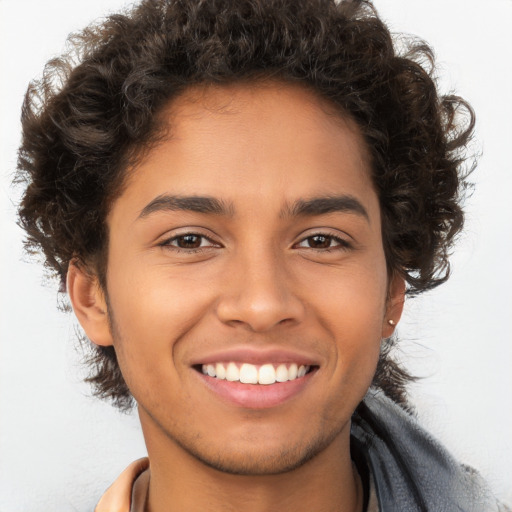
x: 251, y: 374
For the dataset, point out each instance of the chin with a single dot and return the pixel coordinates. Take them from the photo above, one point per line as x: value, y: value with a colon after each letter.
x: 260, y: 459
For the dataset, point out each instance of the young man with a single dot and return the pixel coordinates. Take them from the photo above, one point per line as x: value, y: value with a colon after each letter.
x: 236, y: 194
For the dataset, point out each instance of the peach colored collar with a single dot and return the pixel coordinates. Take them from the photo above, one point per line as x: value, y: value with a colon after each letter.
x: 128, y: 492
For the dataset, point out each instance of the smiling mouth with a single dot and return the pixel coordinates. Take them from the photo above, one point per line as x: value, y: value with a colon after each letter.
x: 246, y: 373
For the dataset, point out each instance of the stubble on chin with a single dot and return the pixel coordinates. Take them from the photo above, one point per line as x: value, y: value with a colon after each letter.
x: 257, y: 461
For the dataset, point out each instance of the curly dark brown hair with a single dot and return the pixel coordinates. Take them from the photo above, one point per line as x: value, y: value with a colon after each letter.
x: 95, y: 110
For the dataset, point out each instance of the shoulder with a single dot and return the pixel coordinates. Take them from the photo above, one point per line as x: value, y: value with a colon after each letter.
x: 406, y: 461
x: 118, y: 497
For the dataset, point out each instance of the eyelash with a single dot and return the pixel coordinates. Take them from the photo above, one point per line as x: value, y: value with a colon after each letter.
x: 342, y: 244
x: 191, y: 250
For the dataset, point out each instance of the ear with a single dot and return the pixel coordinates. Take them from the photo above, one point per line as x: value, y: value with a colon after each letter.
x: 394, y: 305
x: 89, y: 304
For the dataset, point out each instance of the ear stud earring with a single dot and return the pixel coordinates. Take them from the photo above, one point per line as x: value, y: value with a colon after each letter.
x: 392, y: 322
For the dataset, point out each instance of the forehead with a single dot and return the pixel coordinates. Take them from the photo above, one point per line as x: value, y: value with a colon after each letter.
x: 263, y: 108
x: 249, y: 140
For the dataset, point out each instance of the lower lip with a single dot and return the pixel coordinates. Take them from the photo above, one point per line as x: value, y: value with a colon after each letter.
x: 256, y: 396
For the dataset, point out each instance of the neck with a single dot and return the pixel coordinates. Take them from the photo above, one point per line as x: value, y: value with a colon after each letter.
x: 179, y: 481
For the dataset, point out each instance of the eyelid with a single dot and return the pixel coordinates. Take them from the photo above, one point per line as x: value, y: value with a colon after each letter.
x: 342, y: 241
x: 167, y: 240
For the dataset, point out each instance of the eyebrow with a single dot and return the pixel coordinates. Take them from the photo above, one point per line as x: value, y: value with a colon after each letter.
x: 197, y: 204
x: 212, y: 205
x: 324, y: 205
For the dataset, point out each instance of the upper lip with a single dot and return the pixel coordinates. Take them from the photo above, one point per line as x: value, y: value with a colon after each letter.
x: 257, y: 356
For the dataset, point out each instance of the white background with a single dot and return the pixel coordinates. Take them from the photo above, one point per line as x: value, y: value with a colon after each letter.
x: 59, y: 449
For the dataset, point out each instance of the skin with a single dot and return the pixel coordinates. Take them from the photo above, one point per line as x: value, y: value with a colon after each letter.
x: 256, y: 276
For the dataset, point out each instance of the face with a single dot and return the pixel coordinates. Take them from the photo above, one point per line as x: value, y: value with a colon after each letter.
x: 247, y: 284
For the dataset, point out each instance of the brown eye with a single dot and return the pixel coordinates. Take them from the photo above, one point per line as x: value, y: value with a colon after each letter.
x: 319, y: 241
x: 188, y: 241
x: 324, y: 242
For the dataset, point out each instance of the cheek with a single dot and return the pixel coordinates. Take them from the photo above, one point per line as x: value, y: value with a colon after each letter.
x: 151, y: 313
x: 149, y: 300
x: 352, y: 312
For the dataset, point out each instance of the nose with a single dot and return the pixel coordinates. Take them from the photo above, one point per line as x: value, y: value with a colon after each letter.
x: 259, y: 294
